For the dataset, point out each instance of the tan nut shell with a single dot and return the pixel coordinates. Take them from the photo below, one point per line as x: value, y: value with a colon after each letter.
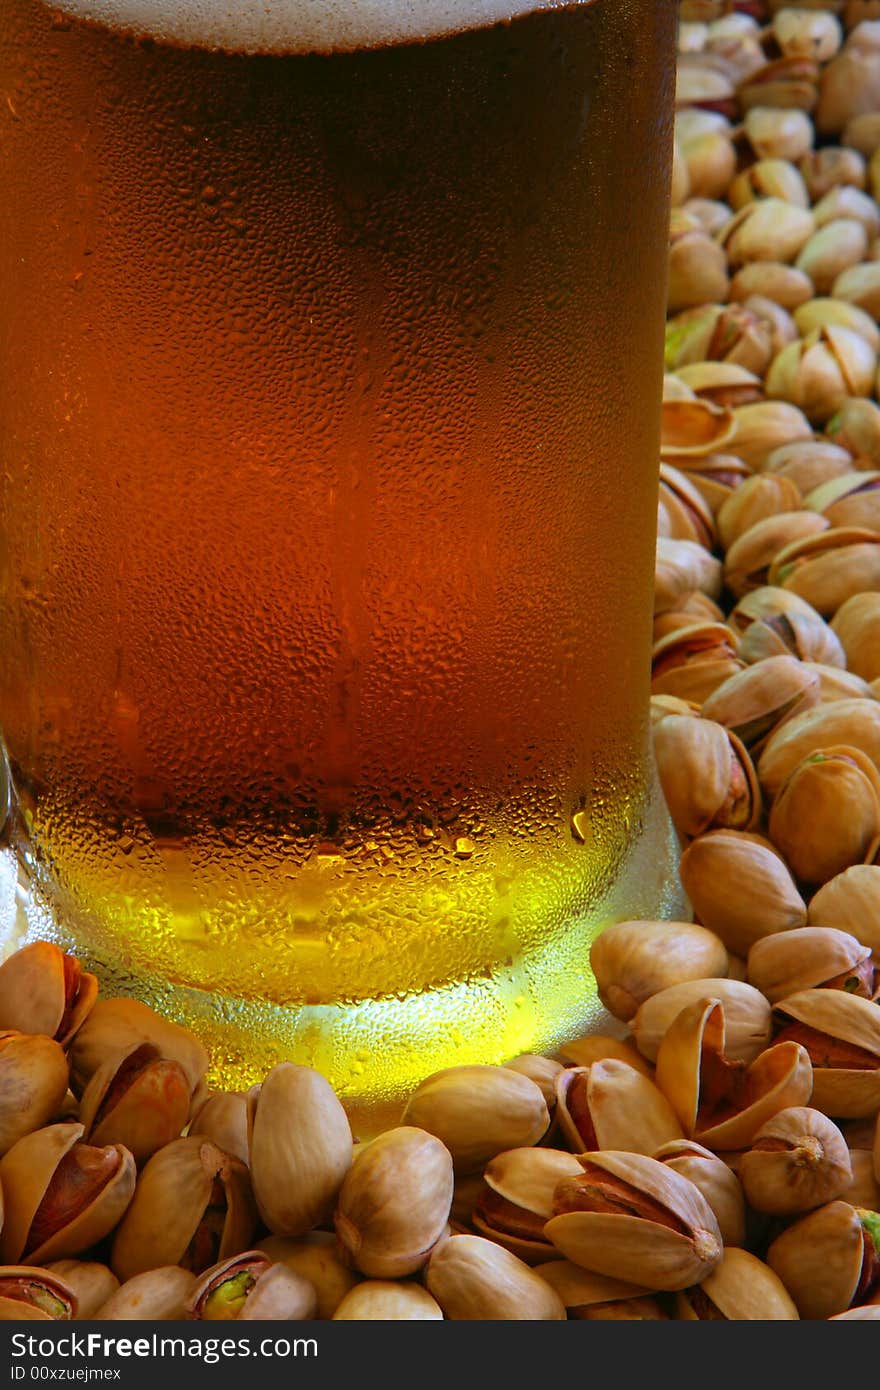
x: 828, y: 568
x: 864, y: 1190
x: 300, y: 1148
x: 814, y: 1166
x: 839, y: 1091
x: 707, y: 776
x: 384, y: 1300
x: 749, y: 562
x: 819, y: 1260
x: 628, y: 1111
x: 316, y: 1257
x: 33, y: 1084
x: 527, y: 1178
x: 582, y: 1288
x: 14, y: 1310
x: 478, y: 1111
x: 743, y: 1288
x: 802, y: 959
x: 157, y: 1295
x: 680, y: 568
x: 116, y: 1024
x: 25, y: 1173
x: 826, y: 814
x: 746, y: 1013
x: 851, y: 902
x: 857, y: 624
x: 639, y: 1249
x: 223, y: 1120
x: 853, y: 722
x: 596, y: 1047
x: 93, y: 1284
x: 152, y: 1111
x: 278, y: 1294
x: 170, y: 1199
x: 32, y: 992
x: 782, y: 1076
x: 395, y: 1201
x: 766, y: 900
x: 475, y: 1280
x: 633, y: 960
x: 542, y: 1070
x: 760, y: 699
x: 718, y: 1183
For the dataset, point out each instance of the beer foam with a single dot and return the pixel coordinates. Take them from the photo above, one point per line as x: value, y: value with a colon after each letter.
x: 298, y: 26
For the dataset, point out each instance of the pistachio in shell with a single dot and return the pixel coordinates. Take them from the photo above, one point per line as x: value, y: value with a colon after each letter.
x: 806, y: 637
x: 841, y: 1033
x: 850, y: 500
x: 192, y: 1206
x: 760, y: 699
x: 113, y: 1025
x: 740, y: 888
x: 633, y: 960
x: 316, y: 1257
x: 137, y: 1098
x: 629, y: 1217
x: 757, y: 497
x: 43, y: 990
x: 857, y: 626
x: 517, y: 1200
x: 855, y: 723
x: 590, y: 1297
x: 388, y: 1300
x: 478, y: 1112
x: 92, y: 1282
x: 156, y: 1295
x: 28, y: 1294
x: 784, y: 285
x: 829, y: 567
x: 715, y: 1179
x: 222, y: 1118
x: 764, y: 603
x: 33, y: 1084
x: 826, y: 814
x: 247, y: 1288
x: 741, y: 1288
x: 692, y: 661
x: 798, y: 1160
x: 747, y: 1016
x: 542, y: 1070
x: 610, y: 1105
x: 828, y: 1260
x: 707, y: 776
x: 681, y: 567
x: 811, y: 958
x: 475, y: 1280
x: 300, y: 1148
x: 809, y: 463
x: 596, y: 1047
x: 851, y: 903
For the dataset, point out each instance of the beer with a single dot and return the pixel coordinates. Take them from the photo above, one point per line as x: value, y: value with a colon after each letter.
x: 330, y: 388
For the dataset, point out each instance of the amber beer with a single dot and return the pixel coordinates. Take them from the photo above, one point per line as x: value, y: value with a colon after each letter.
x: 330, y: 376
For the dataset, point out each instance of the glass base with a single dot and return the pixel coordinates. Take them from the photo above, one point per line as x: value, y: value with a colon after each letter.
x: 377, y: 1051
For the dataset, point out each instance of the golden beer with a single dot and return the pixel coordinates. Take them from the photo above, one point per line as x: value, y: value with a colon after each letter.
x: 330, y: 367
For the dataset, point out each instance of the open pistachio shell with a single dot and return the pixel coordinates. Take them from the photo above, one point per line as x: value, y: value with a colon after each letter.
x: 633, y: 960
x: 137, y: 1098
x: 842, y: 1034
x: 80, y: 1214
x: 707, y: 776
x: 749, y: 563
x: 386, y: 1300
x: 42, y: 990
x: 29, y: 1294
x: 830, y: 567
x: 113, y: 1025
x: 223, y: 1119
x: 718, y: 1183
x: 92, y: 1282
x: 819, y: 1260
x: 475, y: 1280
x: 760, y: 699
x: 596, y: 1047
x: 247, y: 1288
x: 692, y: 428
x: 583, y: 1288
x: 157, y: 1295
x: 281, y: 1294
x: 851, y: 902
x: 746, y: 1012
x: 740, y: 1288
x: 317, y: 1258
x: 807, y: 958
x: 33, y: 1084
x: 852, y: 722
x: 610, y: 1105
x: 681, y: 567
x: 518, y: 1200
x: 781, y: 1077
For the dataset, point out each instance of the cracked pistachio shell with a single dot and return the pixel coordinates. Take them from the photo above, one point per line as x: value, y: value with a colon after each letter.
x: 855, y: 723
x: 633, y: 960
x: 749, y: 562
x: 707, y: 776
x: 758, y: 700
x: 851, y: 903
x: 251, y: 1263
x: 819, y: 1260
x: 300, y: 1148
x: 782, y: 284
x: 757, y: 497
x: 832, y: 249
x: 92, y: 1282
x: 33, y: 1084
x: 44, y: 991
x: 785, y: 82
x: 824, y: 311
x: 778, y: 133
x: 692, y: 661
x: 856, y: 427
x: 692, y: 428
x: 807, y: 33
x: 596, y: 1047
x: 316, y: 1257
x: 769, y: 178
x: 223, y: 1120
x: 137, y: 1098
x: 844, y: 1092
x: 836, y: 684
x: 14, y: 1308
x: 395, y: 1202
x: 746, y: 1013
x: 175, y: 1193
x: 385, y: 1300
x: 847, y: 201
x: 764, y: 426
x: 280, y: 1295
x: 860, y: 285
x: 479, y: 1111
x: 157, y: 1295
x: 624, y: 1110
x: 809, y: 464
x: 826, y: 814
x: 761, y: 900
x: 724, y: 383
x: 697, y: 265
x: 26, y: 1172
x: 113, y: 1025
x: 718, y: 1184
x: 475, y: 1280
x: 742, y: 1289
x: 781, y: 1077
x: 637, y: 1248
x: 542, y: 1070
x: 518, y: 1199
x: 582, y: 1288
x: 818, y: 372
x: 805, y: 958
x: 680, y: 568
x: 768, y: 602
x: 798, y: 1160
x: 779, y: 322
x: 828, y: 568
x: 687, y: 514
x: 857, y: 625
x: 768, y: 230
x: 664, y: 705
x: 807, y: 637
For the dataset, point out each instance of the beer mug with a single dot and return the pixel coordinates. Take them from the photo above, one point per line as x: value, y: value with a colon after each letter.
x: 331, y: 367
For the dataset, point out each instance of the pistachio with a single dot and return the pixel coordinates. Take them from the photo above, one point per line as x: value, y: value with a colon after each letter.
x: 746, y: 1014
x: 136, y: 1098
x: 764, y: 900
x: 844, y: 201
x: 300, y: 1148
x: 864, y: 1190
x: 192, y: 1206
x: 248, y: 1288
x: 763, y: 603
x: 692, y: 661
x: 44, y: 991
x: 740, y: 1288
x: 592, y: 1297
x: 758, y: 497
x: 856, y: 427
x: 776, y: 133
x: 809, y: 463
x: 92, y: 1282
x: 707, y: 776
x: 688, y: 516
x: 610, y: 1105
x: 807, y: 637
x: 478, y: 1112
x: 33, y: 1084
x: 751, y: 560
x: 798, y: 1160
x: 113, y: 1025
x: 760, y: 699
x: 819, y: 372
x: 827, y: 1260
x: 769, y: 178
x: 716, y: 476
x: 395, y: 1202
x: 835, y: 247
x: 849, y: 85
x: 691, y: 428
x: 542, y: 1070
x: 629, y: 1217
x: 316, y: 1257
x: 710, y: 159
x: 841, y: 1032
x: 384, y: 1300
x: 851, y: 902
x: 842, y: 685
x: 157, y: 1295
x: 697, y: 265
x: 475, y: 1280
x: 853, y: 722
x: 769, y: 230
x: 861, y: 137
x: 718, y: 1184
x: 832, y: 167
x: 857, y: 625
x: 597, y: 1047
x: 711, y: 213
x: 779, y: 322
x: 517, y: 1198
x: 61, y: 1196
x: 724, y: 384
x: 826, y: 815
x: 223, y: 1120
x: 836, y: 313
x: 810, y: 958
x: 28, y: 1294
x: 828, y: 568
x: 807, y: 33
x: 860, y: 285
x: 703, y: 79
x: 868, y: 1312
x: 633, y: 960
x: 784, y: 285
x: 850, y: 501
x: 683, y: 566
x: 786, y: 82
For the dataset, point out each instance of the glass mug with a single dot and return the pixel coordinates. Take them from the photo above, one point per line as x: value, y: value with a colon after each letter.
x: 331, y: 368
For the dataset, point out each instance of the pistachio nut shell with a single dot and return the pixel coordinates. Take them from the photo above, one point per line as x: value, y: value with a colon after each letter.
x: 316, y: 1257
x: 744, y: 1289
x: 172, y: 1196
x: 802, y: 959
x: 851, y: 902
x: 205, y: 1305
x: 746, y: 1013
x: 819, y: 1260
x: 849, y: 501
x: 156, y: 1295
x: 866, y: 1313
x: 542, y: 1070
x: 756, y: 498
x: 765, y: 900
x: 864, y: 1189
x: 781, y: 1077
x: 699, y: 1025
x: 626, y: 1110
x: 517, y: 1198
x: 826, y: 815
x: 116, y: 1024
x: 223, y: 1120
x: 596, y: 1047
x: 764, y: 426
x: 474, y: 1280
x: 680, y: 568
x: 798, y: 1160
x: 478, y: 1111
x: 149, y: 1112
x: 749, y: 562
x: 782, y: 284
x: 583, y: 1288
x: 819, y: 312
x: 35, y: 984
x: 633, y: 960
x: 707, y: 776
x: 857, y: 625
x: 20, y: 1309
x: 33, y: 1084
x: 281, y: 1294
x: 760, y: 699
x: 845, y: 1093
x: 92, y: 1282
x: 852, y: 722
x: 395, y: 1202
x: 718, y: 1183
x: 384, y: 1300
x: 767, y: 602
x: 300, y: 1148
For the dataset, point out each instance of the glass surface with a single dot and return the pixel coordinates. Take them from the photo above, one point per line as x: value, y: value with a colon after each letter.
x: 329, y: 400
